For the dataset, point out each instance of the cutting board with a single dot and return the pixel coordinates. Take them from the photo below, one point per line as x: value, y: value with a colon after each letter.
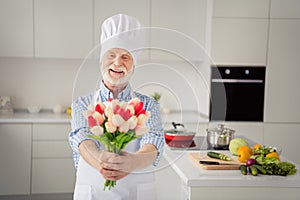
x: 196, y: 157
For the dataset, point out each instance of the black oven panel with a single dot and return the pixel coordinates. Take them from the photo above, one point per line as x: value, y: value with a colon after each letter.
x: 237, y: 93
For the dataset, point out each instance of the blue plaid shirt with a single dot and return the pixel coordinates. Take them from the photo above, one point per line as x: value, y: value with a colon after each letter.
x: 80, y: 128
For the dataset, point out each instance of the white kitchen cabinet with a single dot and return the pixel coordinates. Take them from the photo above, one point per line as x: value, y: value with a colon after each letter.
x: 167, y: 182
x: 238, y: 8
x: 182, y: 22
x: 15, y: 154
x: 239, y: 41
x: 16, y: 32
x: 282, y: 76
x: 285, y: 9
x: 52, y: 164
x: 63, y: 29
x: 53, y: 175
x: 286, y: 136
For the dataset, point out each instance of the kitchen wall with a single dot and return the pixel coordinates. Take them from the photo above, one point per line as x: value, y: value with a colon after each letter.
x: 43, y: 46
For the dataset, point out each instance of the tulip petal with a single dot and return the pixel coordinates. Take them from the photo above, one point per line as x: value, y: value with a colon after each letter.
x: 141, y: 130
x: 91, y: 121
x: 97, y: 130
x: 110, y: 127
x: 117, y: 120
x: 132, y: 122
x: 124, y: 127
x: 98, y: 117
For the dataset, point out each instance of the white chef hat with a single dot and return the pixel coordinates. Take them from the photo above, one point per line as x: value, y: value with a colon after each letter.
x: 122, y: 31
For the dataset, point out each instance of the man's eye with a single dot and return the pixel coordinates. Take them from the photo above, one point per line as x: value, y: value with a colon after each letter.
x: 111, y: 56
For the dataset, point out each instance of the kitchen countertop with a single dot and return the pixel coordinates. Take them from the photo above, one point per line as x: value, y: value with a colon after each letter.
x: 45, y: 116
x: 194, y: 176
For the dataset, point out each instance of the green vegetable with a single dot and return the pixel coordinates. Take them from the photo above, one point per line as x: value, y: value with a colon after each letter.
x: 273, y: 166
x: 217, y: 155
x: 260, y: 169
x: 243, y: 169
x: 253, y: 170
x: 235, y: 144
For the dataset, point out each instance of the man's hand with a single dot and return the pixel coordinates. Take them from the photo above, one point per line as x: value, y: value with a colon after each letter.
x: 113, y: 166
x: 128, y: 162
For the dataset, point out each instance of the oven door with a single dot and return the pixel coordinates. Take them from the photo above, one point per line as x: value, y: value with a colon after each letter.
x: 237, y: 99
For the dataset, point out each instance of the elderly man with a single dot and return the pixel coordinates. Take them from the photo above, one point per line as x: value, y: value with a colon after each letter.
x: 121, y: 37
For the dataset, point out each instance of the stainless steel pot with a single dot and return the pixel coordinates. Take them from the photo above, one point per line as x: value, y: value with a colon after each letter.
x: 220, y: 137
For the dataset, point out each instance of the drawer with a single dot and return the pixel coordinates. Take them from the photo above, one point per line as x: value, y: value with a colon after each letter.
x: 53, y: 176
x: 51, y: 149
x: 51, y: 131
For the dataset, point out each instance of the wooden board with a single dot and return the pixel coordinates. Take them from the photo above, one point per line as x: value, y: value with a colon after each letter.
x: 232, y: 165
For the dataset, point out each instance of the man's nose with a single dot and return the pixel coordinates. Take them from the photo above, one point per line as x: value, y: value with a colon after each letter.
x: 118, y: 61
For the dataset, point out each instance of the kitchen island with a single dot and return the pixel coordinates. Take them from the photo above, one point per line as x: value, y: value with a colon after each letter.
x: 198, y: 183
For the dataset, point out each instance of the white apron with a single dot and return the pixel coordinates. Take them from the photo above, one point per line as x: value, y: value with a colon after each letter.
x: 137, y: 185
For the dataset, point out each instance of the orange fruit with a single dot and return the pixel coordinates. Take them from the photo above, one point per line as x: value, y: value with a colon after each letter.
x: 273, y: 154
x: 243, y: 156
x: 245, y: 148
x: 256, y: 146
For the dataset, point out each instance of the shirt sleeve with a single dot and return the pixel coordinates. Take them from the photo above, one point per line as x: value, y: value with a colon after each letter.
x: 79, y: 126
x: 155, y: 135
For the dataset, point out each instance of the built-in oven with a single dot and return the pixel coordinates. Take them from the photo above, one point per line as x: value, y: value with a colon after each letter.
x: 237, y: 93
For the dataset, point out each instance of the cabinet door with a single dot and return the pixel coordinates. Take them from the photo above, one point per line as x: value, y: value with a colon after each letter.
x: 285, y: 136
x: 51, y: 132
x: 15, y: 154
x: 63, y: 29
x: 286, y: 9
x: 16, y: 33
x: 239, y: 41
x: 238, y: 8
x: 188, y: 18
x: 282, y: 89
x: 53, y: 175
x: 53, y: 168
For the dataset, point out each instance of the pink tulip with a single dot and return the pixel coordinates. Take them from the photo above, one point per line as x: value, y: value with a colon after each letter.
x: 98, y: 117
x: 117, y: 120
x: 108, y: 111
x: 134, y: 102
x: 91, y: 121
x: 142, y: 119
x: 110, y: 127
x: 100, y: 107
x: 87, y: 113
x: 97, y: 130
x: 141, y: 130
x: 124, y: 127
x: 132, y: 122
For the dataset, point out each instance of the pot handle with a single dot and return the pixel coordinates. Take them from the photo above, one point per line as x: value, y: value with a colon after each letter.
x: 177, y: 124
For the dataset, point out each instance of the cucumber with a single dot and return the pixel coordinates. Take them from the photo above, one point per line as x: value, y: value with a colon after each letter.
x: 243, y: 169
x: 260, y: 168
x: 217, y: 155
x: 253, y: 170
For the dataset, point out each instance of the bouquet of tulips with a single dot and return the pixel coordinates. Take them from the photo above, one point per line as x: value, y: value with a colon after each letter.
x: 116, y: 123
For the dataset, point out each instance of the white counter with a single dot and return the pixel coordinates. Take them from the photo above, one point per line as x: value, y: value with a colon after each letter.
x: 47, y: 116
x: 42, y: 117
x: 196, y: 179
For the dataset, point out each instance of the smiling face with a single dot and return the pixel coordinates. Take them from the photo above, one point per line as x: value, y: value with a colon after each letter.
x: 116, y: 67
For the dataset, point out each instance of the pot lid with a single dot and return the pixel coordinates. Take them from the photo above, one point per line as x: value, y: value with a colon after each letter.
x: 220, y: 129
x: 179, y: 130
